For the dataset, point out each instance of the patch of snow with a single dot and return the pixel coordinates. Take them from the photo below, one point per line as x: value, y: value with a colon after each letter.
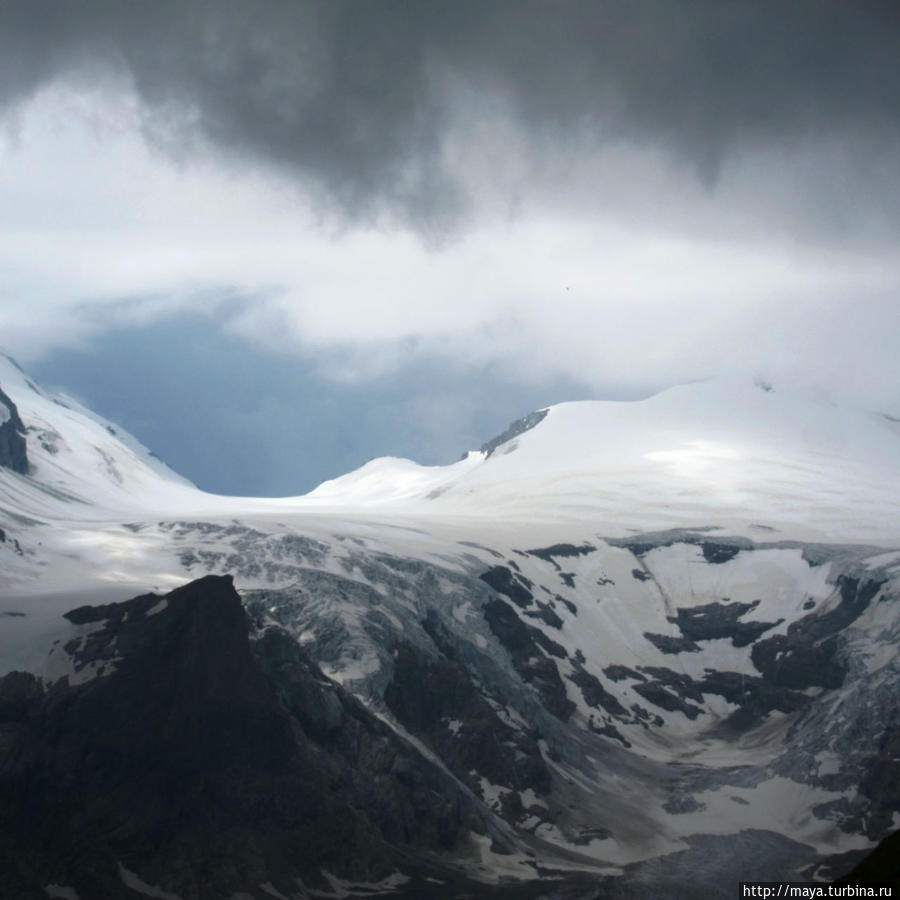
x: 549, y: 832
x: 828, y: 764
x: 718, y: 706
x: 342, y: 889
x: 496, y: 867
x: 776, y: 799
x: 157, y: 607
x: 61, y: 662
x: 463, y: 613
x: 490, y: 792
x: 59, y: 892
x: 347, y: 670
x: 130, y: 880
x: 94, y: 670
x: 880, y: 655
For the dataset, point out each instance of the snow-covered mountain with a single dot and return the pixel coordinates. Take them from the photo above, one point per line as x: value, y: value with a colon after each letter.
x: 632, y: 647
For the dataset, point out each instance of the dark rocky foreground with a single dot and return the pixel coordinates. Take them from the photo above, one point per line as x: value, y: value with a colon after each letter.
x: 881, y: 866
x: 209, y: 766
x: 197, y: 750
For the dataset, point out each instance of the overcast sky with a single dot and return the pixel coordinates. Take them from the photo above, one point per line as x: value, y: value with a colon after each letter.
x: 425, y: 219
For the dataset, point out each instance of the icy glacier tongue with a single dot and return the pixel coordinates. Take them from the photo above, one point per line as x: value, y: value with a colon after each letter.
x: 652, y: 642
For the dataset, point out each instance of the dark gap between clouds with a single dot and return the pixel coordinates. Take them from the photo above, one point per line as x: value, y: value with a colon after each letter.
x: 238, y: 420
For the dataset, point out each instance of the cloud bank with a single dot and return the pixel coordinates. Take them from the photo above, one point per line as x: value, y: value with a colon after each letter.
x: 364, y: 99
x: 622, y: 193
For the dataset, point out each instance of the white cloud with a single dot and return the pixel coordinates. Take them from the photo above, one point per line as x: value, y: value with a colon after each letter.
x: 97, y: 230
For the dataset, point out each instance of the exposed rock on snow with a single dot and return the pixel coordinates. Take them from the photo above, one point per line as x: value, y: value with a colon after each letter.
x: 13, y: 453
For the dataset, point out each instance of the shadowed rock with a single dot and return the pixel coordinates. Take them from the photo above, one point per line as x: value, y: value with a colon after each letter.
x: 13, y: 451
x: 205, y: 764
x: 520, y: 426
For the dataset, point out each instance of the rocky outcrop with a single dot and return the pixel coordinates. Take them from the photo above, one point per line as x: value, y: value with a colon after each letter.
x: 206, y: 765
x: 13, y: 453
x: 881, y: 866
x: 438, y: 702
x: 808, y: 655
x: 519, y: 427
x: 528, y: 648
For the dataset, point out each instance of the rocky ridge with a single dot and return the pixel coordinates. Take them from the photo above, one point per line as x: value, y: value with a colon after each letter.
x: 13, y: 448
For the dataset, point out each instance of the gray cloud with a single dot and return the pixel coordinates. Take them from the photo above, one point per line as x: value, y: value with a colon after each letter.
x: 359, y: 99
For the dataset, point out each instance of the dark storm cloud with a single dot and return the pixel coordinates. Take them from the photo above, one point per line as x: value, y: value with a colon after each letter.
x: 357, y: 98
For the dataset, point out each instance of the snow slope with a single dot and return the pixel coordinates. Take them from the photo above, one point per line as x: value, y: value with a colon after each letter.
x: 725, y: 451
x: 81, y: 460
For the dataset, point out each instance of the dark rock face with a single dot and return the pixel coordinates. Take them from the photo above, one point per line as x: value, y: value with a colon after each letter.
x: 807, y: 656
x: 520, y: 426
x: 881, y: 782
x: 667, y: 643
x: 546, y: 614
x: 678, y: 692
x: 512, y: 585
x: 881, y: 866
x: 718, y: 553
x: 524, y: 644
x: 13, y: 452
x: 594, y: 693
x: 203, y: 764
x: 561, y: 550
x: 438, y: 702
x: 720, y: 620
x: 408, y: 800
x: 754, y: 696
x: 670, y: 691
x: 620, y: 673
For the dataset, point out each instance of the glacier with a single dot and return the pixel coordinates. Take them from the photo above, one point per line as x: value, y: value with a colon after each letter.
x: 640, y: 647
